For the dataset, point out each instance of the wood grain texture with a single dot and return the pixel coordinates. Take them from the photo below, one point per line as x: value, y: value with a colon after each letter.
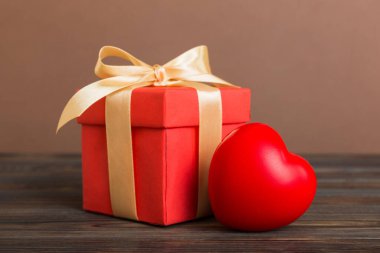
x: 40, y: 211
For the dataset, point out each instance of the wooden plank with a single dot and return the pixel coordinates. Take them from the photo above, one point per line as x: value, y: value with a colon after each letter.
x: 40, y: 211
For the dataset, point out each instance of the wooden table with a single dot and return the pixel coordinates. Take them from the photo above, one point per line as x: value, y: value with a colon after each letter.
x: 40, y: 211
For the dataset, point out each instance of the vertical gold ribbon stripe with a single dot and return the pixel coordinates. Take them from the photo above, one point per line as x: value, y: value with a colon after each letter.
x: 210, y: 135
x: 119, y: 152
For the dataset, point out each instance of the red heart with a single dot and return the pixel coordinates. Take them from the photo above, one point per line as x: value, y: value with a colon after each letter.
x: 255, y: 184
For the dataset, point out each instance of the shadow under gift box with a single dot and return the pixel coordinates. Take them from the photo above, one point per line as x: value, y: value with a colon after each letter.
x: 165, y: 151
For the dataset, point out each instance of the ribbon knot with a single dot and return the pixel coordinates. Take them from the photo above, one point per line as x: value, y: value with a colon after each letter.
x: 160, y: 75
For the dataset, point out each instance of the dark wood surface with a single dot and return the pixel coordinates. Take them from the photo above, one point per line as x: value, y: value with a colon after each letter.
x: 40, y: 211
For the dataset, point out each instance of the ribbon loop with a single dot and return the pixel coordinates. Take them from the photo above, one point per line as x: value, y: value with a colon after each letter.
x: 103, y: 70
x: 194, y: 61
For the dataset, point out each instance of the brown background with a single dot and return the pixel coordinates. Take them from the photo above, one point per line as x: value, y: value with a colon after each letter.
x: 313, y: 66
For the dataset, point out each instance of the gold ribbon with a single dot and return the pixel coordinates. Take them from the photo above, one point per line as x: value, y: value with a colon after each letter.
x: 191, y: 69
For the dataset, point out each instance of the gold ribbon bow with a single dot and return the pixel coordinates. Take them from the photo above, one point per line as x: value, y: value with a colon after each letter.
x: 191, y: 69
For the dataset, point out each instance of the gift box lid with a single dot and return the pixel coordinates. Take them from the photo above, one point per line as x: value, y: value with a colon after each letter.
x: 163, y: 107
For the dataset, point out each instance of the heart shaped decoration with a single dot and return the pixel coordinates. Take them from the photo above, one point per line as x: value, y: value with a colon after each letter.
x: 255, y: 183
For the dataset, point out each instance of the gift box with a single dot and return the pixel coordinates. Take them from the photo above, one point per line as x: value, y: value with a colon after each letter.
x: 165, y: 123
x: 149, y: 133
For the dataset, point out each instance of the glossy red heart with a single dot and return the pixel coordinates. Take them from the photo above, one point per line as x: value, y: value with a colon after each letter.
x: 255, y: 184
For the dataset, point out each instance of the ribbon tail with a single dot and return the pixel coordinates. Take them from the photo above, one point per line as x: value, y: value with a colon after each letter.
x: 120, y: 152
x: 88, y: 95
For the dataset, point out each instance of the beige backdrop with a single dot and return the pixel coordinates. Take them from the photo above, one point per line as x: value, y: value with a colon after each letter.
x: 313, y: 66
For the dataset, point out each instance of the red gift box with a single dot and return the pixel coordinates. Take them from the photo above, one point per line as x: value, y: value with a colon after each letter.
x: 165, y: 151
